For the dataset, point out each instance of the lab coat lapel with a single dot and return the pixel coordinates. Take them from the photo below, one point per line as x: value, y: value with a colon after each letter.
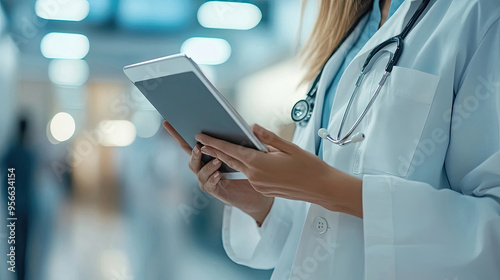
x: 307, y: 137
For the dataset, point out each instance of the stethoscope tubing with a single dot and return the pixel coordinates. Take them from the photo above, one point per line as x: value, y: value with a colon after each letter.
x: 373, y: 56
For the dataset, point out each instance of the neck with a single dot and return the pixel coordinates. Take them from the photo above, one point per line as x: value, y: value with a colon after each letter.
x: 385, y: 6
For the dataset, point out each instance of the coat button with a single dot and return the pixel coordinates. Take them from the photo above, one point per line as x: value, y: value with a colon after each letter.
x: 320, y: 225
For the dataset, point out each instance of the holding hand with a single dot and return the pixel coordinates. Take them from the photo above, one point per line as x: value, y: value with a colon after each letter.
x: 288, y: 171
x: 239, y: 193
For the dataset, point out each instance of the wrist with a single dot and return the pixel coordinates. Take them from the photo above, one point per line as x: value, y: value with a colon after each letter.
x: 260, y: 213
x: 342, y: 193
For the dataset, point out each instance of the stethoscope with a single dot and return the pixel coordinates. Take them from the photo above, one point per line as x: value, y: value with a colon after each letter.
x: 302, y: 110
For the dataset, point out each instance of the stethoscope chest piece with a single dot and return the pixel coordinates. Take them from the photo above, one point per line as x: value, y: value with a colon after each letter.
x: 302, y: 110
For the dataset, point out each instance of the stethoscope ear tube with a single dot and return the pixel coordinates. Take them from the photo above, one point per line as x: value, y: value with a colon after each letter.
x: 358, y: 137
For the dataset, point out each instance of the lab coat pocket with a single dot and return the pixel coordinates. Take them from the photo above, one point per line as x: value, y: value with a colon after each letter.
x: 396, y: 123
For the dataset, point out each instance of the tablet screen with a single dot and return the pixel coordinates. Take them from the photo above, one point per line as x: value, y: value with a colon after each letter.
x: 184, y: 101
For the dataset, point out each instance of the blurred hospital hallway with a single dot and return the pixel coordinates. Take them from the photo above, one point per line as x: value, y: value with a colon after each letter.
x: 122, y: 204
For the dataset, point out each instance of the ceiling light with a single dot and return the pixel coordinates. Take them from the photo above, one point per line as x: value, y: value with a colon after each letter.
x: 72, y: 73
x: 209, y: 51
x: 73, y: 10
x: 229, y: 15
x: 65, y: 46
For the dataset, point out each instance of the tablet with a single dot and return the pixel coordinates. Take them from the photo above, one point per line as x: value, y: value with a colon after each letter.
x: 183, y: 95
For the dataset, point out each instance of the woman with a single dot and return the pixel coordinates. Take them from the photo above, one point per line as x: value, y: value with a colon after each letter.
x: 419, y: 198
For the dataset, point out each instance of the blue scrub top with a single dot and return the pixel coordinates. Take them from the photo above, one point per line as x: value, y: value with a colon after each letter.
x: 369, y: 30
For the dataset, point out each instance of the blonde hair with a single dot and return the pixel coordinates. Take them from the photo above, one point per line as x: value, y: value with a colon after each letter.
x: 335, y: 20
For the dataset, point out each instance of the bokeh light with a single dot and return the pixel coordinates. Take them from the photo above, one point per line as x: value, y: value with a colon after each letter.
x: 209, y: 51
x: 62, y: 126
x: 229, y: 15
x: 65, y: 46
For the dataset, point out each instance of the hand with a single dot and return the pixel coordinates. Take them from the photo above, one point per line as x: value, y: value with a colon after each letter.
x: 238, y: 193
x: 290, y: 172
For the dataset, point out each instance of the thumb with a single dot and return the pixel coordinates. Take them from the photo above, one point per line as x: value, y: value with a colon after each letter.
x: 269, y: 138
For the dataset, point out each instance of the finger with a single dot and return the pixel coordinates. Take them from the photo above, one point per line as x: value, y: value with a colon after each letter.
x: 207, y: 170
x: 269, y: 138
x: 195, y: 163
x: 210, y: 185
x: 227, y: 159
x: 237, y: 152
x: 184, y: 145
x: 272, y: 193
x: 279, y: 195
x: 272, y: 149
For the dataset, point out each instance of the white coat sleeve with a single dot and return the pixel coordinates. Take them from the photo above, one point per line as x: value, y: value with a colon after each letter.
x: 413, y: 230
x: 247, y: 244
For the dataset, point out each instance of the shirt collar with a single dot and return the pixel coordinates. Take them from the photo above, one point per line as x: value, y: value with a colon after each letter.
x: 376, y: 16
x: 395, y: 4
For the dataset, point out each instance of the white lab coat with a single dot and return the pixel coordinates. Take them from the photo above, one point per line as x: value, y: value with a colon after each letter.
x: 430, y: 162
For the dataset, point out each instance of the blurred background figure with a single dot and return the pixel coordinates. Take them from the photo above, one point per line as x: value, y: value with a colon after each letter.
x: 20, y: 157
x: 111, y: 194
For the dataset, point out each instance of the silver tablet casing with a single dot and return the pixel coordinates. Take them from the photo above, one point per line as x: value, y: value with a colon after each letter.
x: 180, y: 63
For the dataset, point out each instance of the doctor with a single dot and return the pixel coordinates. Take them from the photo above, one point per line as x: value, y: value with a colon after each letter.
x: 419, y: 197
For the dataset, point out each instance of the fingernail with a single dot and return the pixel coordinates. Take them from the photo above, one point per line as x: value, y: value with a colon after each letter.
x: 198, y: 138
x: 216, y: 161
x: 205, y: 150
x: 217, y: 174
x: 196, y: 150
